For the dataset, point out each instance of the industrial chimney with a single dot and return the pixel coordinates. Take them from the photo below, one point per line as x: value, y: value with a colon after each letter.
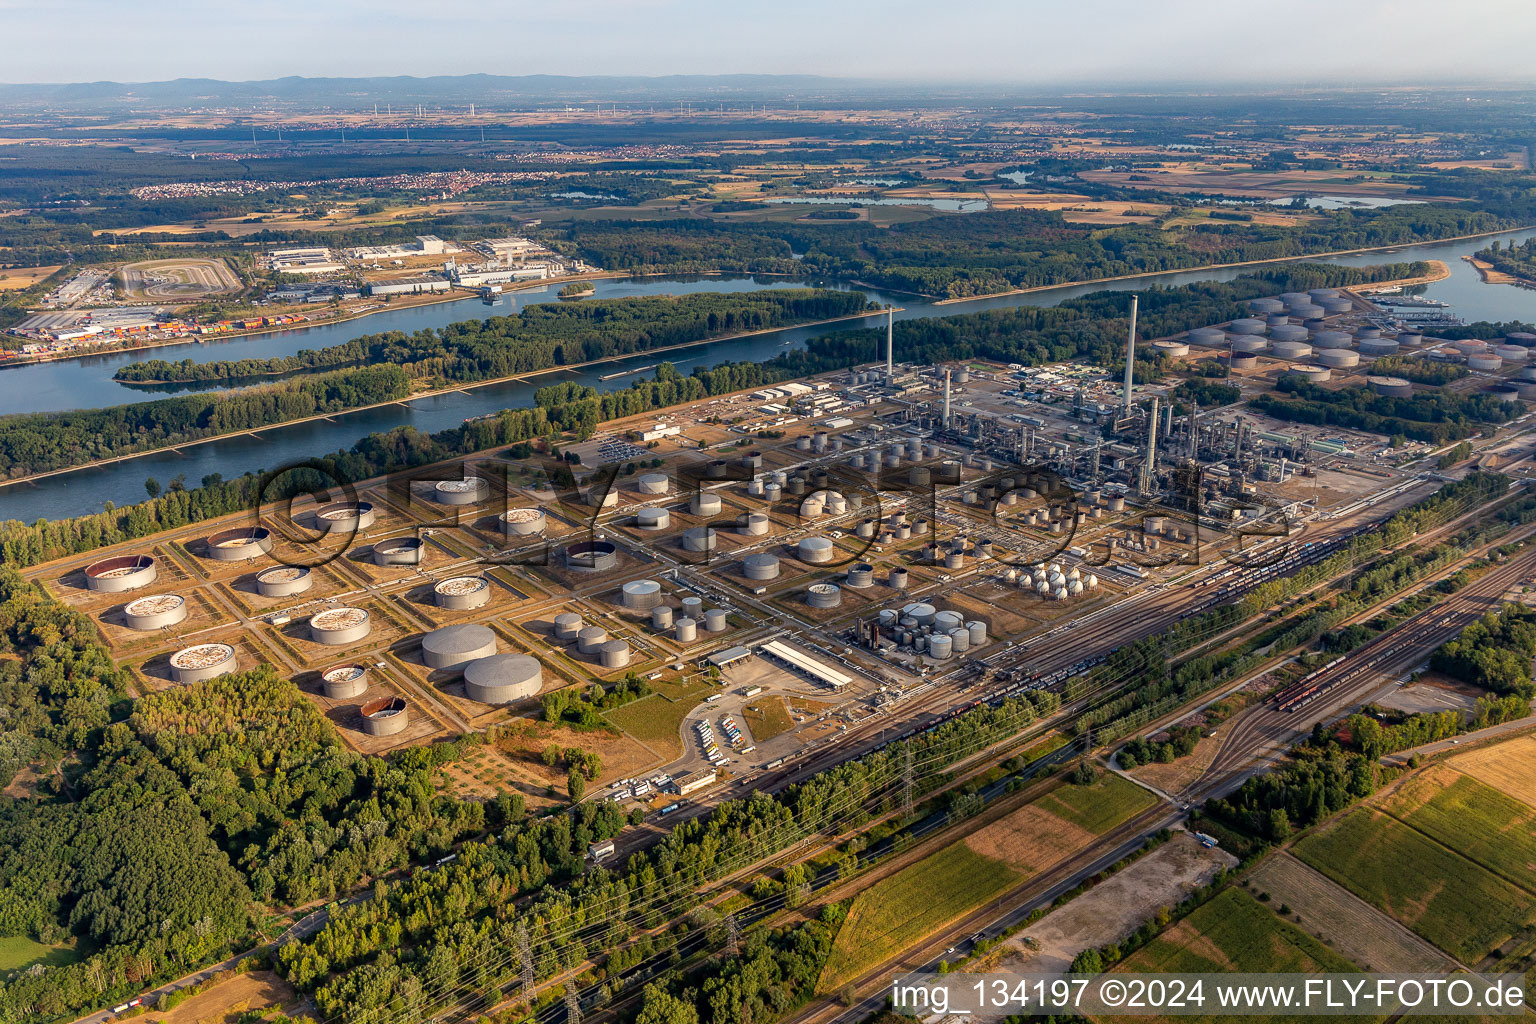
x: 1130, y: 359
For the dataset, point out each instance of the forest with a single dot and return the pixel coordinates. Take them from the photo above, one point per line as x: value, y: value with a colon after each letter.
x: 984, y: 253
x: 1494, y: 653
x: 38, y: 442
x: 1518, y: 261
x: 1438, y: 416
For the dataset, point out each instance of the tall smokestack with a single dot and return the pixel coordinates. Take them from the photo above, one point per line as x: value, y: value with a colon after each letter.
x: 1130, y: 357
x: 890, y: 342
x: 1149, y: 468
x: 946, y: 399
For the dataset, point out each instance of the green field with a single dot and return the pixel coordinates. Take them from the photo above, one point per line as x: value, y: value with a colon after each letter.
x: 1475, y: 820
x: 1233, y: 932
x: 900, y: 910
x: 655, y: 720
x: 18, y: 952
x: 1453, y: 902
x: 1098, y: 807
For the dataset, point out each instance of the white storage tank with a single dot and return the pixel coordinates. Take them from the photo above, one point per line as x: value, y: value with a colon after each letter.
x: 978, y: 632
x: 756, y: 524
x: 1250, y: 345
x: 661, y: 617
x: 453, y: 647
x: 640, y: 595
x: 461, y: 593
x: 343, y: 625
x: 521, y: 522
x: 1310, y: 372
x: 123, y: 572
x: 699, y: 538
x: 653, y: 519
x: 1171, y: 349
x: 202, y: 662
x: 823, y: 595
x: 940, y: 646
x: 1291, y: 349
x: 1288, y: 332
x: 1338, y: 358
x: 471, y: 490
x: 687, y: 630
x: 385, y: 716
x: 398, y: 551
x: 1513, y: 354
x: 156, y: 611
x: 503, y: 678
x: 344, y: 516
x: 653, y: 483
x: 761, y: 566
x: 1331, y: 339
x: 590, y: 639
x: 814, y: 550
x: 284, y: 581
x: 1393, y: 387
x: 707, y: 504
x: 1246, y: 326
x: 1266, y: 305
x: 1484, y: 363
x: 715, y: 620
x: 240, y: 544
x: 1378, y: 347
x: 613, y: 654
x: 567, y: 626
x: 343, y: 682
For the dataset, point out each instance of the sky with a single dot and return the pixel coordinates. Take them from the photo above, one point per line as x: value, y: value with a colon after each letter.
x: 1028, y: 42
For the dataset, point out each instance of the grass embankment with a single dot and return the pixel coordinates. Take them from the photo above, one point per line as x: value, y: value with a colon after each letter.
x: 901, y: 910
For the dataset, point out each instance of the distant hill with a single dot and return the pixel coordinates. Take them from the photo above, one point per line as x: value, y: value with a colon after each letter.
x: 361, y: 93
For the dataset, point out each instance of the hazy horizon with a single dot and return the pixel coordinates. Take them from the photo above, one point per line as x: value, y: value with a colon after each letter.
x: 1179, y: 44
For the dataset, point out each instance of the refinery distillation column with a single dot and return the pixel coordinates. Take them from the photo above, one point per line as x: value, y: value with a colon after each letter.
x: 1130, y: 360
x: 890, y: 343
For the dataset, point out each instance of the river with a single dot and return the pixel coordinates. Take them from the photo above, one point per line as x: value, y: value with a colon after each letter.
x: 87, y: 382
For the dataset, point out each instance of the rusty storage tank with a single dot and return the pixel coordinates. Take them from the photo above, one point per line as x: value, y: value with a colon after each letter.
x: 398, y: 551
x: 385, y: 716
x: 284, y: 581
x: 240, y: 544
x: 344, y: 681
x: 503, y: 678
x: 461, y: 593
x: 202, y: 662
x: 121, y: 572
x: 341, y: 625
x: 470, y: 490
x: 522, y: 522
x: 345, y: 516
x: 156, y: 611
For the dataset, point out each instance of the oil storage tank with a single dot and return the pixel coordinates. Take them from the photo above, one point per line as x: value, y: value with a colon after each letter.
x: 699, y: 538
x: 653, y: 519
x: 451, y: 647
x: 1247, y: 325
x: 470, y: 490
x: 613, y: 654
x: 567, y: 626
x: 1288, y: 332
x: 1378, y: 347
x: 522, y: 522
x: 760, y: 567
x: 341, y: 625
x: 120, y: 573
x: 592, y: 555
x: 503, y: 678
x: 715, y: 620
x: 204, y: 661
x: 641, y: 595
x: 1291, y: 349
x: 590, y: 639
x: 344, y: 516
x: 345, y: 681
x: 705, y: 503
x: 461, y: 593
x: 240, y: 544
x: 398, y: 551
x: 1395, y: 387
x: 284, y: 581
x: 823, y: 595
x: 814, y: 550
x: 385, y: 716
x: 654, y: 483
x: 156, y: 611
x: 1331, y: 339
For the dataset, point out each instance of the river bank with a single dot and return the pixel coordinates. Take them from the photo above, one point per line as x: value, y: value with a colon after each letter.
x: 430, y: 392
x: 1439, y: 271
x: 1210, y: 267
x: 1491, y: 276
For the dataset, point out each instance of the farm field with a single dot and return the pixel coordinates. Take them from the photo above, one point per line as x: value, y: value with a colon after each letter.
x: 916, y: 901
x: 1448, y: 899
x: 1233, y: 932
x: 1509, y: 767
x: 1344, y: 921
x: 1476, y: 820
x: 14, y: 279
x: 910, y: 904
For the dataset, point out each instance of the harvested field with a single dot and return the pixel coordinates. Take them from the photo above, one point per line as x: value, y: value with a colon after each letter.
x: 1474, y: 819
x: 226, y: 1001
x: 1061, y: 822
x: 1509, y: 767
x: 1461, y: 907
x: 1344, y: 921
x: 1116, y: 907
x: 16, y: 278
x: 900, y: 910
